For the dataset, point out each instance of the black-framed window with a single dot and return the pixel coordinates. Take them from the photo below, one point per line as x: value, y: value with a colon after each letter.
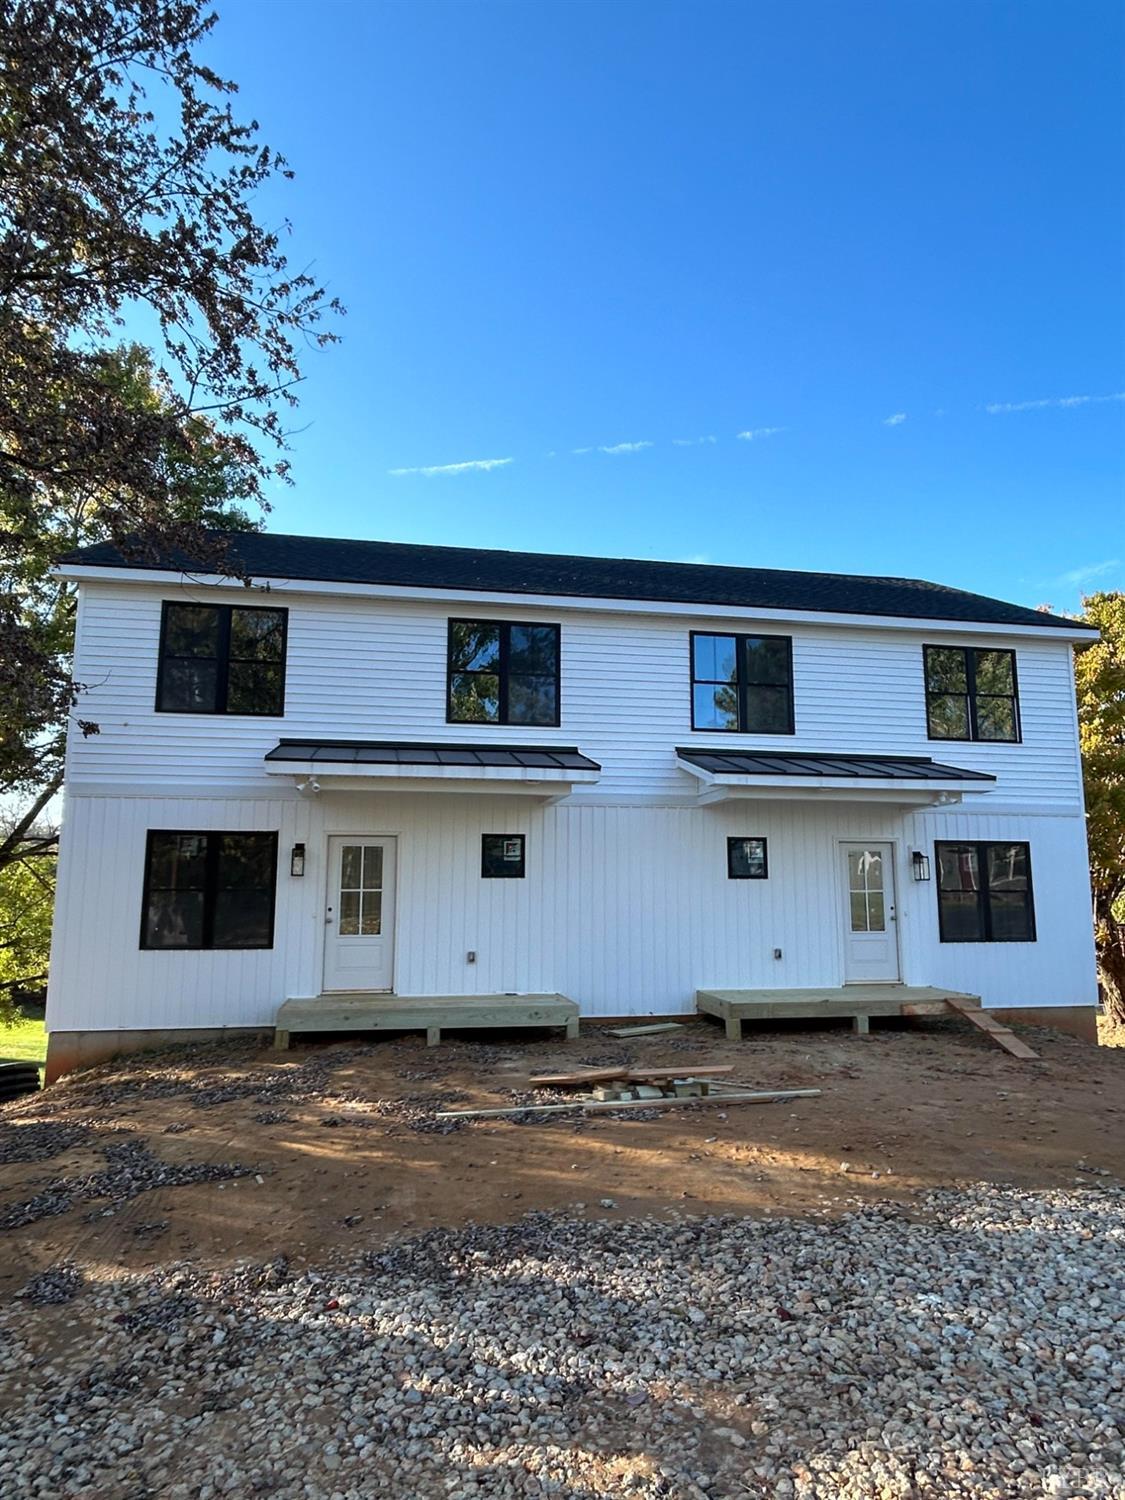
x: 209, y: 890
x: 221, y: 659
x: 747, y: 859
x: 503, y: 856
x: 971, y: 693
x: 502, y: 672
x: 741, y: 683
x: 984, y: 892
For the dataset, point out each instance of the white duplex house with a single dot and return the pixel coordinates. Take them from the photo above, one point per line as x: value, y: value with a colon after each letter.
x: 389, y: 772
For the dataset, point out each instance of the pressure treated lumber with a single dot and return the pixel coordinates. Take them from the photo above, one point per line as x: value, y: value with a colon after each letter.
x: 625, y: 1074
x: 648, y: 1030
x: 590, y: 1106
x: 1003, y: 1036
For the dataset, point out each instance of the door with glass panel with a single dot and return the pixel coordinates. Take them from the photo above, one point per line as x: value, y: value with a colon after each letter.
x: 870, y: 926
x: 359, y: 916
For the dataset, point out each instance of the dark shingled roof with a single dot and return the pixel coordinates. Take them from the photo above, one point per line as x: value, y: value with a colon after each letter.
x: 470, y: 569
x: 797, y: 763
x: 431, y: 753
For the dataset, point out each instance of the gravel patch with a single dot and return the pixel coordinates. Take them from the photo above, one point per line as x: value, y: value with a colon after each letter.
x: 58, y: 1284
x: 970, y: 1348
x: 131, y: 1169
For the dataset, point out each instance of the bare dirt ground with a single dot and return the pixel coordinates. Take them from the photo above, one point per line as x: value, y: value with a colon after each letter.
x: 339, y: 1148
x: 228, y: 1271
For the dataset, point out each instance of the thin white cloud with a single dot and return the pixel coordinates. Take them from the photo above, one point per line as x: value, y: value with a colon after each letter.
x: 622, y: 447
x: 699, y: 558
x: 752, y: 434
x: 582, y: 450
x: 693, y: 442
x: 1078, y: 576
x: 479, y: 465
x: 1002, y: 408
x: 896, y: 421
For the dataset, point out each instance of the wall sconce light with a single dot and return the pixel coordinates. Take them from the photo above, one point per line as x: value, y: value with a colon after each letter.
x: 297, y: 860
x: 921, y: 863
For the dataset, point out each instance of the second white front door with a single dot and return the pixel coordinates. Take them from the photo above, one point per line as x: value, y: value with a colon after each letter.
x: 870, y: 923
x: 359, y: 918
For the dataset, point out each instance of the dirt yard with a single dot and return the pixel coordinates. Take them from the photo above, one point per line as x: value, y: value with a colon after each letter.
x: 342, y: 1139
x: 209, y: 1160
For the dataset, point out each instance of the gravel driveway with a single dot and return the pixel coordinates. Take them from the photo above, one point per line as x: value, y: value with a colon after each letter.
x: 972, y: 1347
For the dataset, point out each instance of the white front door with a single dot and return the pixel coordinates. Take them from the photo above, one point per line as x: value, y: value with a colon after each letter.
x: 870, y: 926
x: 359, y: 920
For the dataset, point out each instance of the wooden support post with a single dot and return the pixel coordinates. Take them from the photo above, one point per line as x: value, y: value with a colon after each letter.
x: 433, y: 1036
x: 734, y: 1029
x: 572, y: 1028
x: 281, y: 1040
x: 861, y: 1025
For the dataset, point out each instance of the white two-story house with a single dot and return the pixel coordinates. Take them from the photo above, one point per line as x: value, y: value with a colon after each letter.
x: 409, y: 771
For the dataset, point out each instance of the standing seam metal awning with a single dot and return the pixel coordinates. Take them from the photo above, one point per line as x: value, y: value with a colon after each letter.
x: 410, y: 753
x: 402, y: 765
x: 797, y: 763
x: 905, y: 779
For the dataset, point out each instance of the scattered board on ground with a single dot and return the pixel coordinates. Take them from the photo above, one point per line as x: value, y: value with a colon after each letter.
x: 627, y: 1074
x: 627, y: 1031
x: 1003, y: 1036
x: 592, y: 1106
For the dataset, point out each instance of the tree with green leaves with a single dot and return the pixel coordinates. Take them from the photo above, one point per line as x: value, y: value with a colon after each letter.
x: 127, y: 182
x: 1100, y: 674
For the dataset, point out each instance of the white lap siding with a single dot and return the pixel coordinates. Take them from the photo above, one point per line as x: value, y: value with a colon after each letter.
x: 626, y: 909
x: 376, y: 669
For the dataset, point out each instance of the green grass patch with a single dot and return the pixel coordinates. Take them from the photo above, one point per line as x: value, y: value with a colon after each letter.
x: 26, y: 1041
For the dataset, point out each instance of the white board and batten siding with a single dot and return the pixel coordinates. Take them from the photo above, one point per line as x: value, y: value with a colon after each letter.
x: 626, y: 906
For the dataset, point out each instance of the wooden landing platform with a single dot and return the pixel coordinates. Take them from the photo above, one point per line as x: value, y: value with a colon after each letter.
x: 857, y: 1002
x: 428, y: 1013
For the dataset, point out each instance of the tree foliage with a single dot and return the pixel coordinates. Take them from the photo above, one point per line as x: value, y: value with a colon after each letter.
x: 129, y: 184
x: 27, y: 893
x: 1100, y: 674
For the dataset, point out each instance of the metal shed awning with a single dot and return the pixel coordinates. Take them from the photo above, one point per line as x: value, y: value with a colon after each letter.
x: 410, y: 765
x: 794, y: 774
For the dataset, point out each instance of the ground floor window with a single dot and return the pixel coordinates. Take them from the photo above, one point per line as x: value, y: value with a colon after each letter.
x: 503, y: 856
x: 209, y: 890
x: 984, y: 893
x: 746, y: 859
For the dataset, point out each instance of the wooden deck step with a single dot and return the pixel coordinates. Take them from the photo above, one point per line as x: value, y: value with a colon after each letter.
x: 854, y: 1002
x: 1003, y: 1036
x: 429, y: 1013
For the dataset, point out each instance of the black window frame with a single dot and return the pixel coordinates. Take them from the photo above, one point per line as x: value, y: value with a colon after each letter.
x: 742, y: 683
x: 502, y: 673
x: 222, y: 658
x: 970, y: 655
x: 743, y: 838
x: 984, y: 903
x: 210, y: 889
x: 518, y: 872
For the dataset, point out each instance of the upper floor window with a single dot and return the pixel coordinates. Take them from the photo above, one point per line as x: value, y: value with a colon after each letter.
x: 221, y: 659
x: 742, y: 683
x: 984, y: 893
x: 971, y: 693
x: 502, y: 673
x: 209, y: 890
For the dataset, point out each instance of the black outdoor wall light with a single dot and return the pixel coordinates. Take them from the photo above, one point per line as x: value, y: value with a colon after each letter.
x: 921, y: 864
x: 297, y: 860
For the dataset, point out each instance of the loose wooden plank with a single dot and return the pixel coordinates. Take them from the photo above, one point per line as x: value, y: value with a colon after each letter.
x: 590, y: 1106
x: 631, y: 1075
x: 1003, y: 1036
x: 627, y: 1031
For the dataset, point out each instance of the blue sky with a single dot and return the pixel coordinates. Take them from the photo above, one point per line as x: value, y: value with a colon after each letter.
x: 834, y: 286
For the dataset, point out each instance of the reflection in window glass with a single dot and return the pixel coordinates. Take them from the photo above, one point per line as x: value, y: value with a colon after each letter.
x: 503, y: 673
